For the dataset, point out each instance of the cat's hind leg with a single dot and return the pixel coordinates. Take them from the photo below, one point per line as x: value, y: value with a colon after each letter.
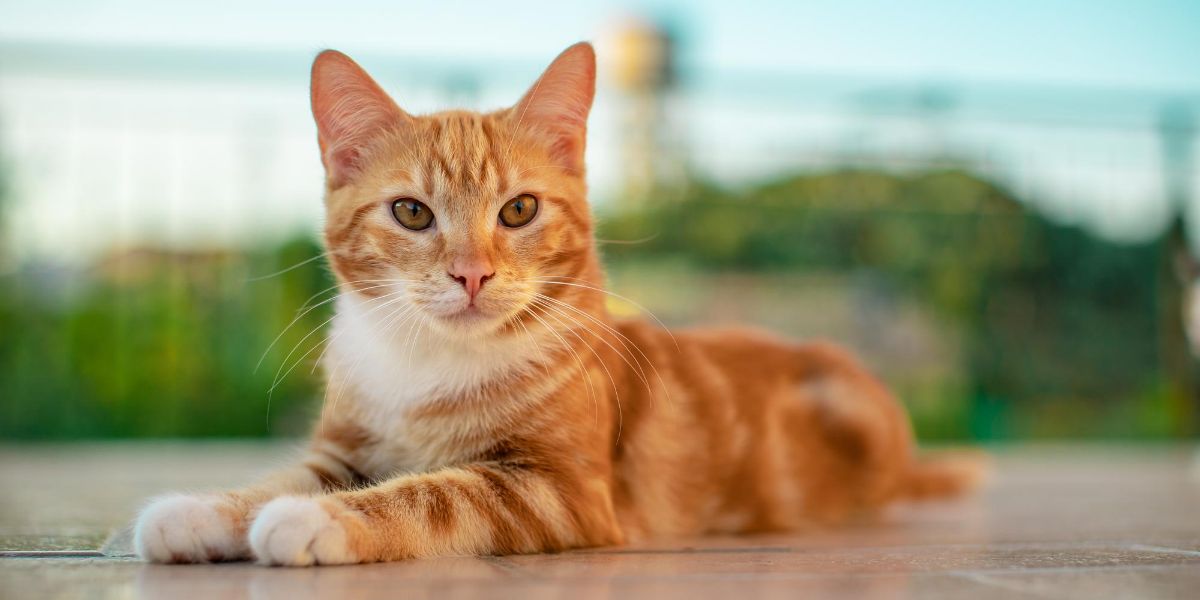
x: 871, y: 455
x: 857, y: 444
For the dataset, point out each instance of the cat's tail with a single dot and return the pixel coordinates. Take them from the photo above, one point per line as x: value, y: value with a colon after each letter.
x: 945, y: 474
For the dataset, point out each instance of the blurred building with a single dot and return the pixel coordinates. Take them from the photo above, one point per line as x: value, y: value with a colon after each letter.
x: 645, y: 73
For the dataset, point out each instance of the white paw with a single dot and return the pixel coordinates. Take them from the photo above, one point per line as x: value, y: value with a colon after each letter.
x: 299, y: 532
x: 182, y: 529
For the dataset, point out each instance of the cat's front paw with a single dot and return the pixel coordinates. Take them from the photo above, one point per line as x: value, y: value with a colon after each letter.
x: 188, y: 529
x: 300, y: 532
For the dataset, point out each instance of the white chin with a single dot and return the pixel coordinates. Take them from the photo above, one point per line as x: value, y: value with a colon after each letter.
x: 469, y: 321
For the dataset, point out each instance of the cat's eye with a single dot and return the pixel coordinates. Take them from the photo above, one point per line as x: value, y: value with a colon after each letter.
x: 519, y: 211
x: 412, y: 214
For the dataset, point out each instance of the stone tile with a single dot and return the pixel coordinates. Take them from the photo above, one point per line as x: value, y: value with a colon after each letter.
x: 786, y: 562
x: 1145, y: 582
x: 72, y: 496
x: 1058, y: 521
x: 457, y: 578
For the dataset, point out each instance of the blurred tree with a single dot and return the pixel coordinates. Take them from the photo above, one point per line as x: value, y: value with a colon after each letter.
x: 1053, y: 319
x: 1061, y: 332
x: 161, y: 343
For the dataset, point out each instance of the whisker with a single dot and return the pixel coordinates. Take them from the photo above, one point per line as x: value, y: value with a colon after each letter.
x: 321, y: 356
x: 549, y: 166
x: 536, y: 345
x: 337, y: 285
x: 304, y: 305
x: 615, y: 295
x: 301, y: 316
x: 404, y: 312
x: 621, y: 338
x: 626, y: 343
x: 414, y: 335
x: 517, y: 128
x: 279, y: 379
x: 295, y: 266
x: 582, y: 369
x: 616, y: 390
x: 641, y: 240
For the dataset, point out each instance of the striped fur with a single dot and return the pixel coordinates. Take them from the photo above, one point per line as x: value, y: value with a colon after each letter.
x: 533, y: 422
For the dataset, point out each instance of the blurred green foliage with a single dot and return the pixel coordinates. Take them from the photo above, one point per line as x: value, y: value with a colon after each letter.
x: 1061, y: 333
x: 160, y: 344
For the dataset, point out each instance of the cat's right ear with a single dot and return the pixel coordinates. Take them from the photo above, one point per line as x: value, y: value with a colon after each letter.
x: 350, y: 109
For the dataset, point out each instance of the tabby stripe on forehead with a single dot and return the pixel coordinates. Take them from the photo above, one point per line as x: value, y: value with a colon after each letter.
x: 447, y: 153
x: 443, y: 166
x: 491, y: 160
x: 453, y: 148
x: 427, y: 183
x: 501, y: 151
x: 467, y: 177
x: 485, y: 128
x: 481, y: 169
x: 479, y: 155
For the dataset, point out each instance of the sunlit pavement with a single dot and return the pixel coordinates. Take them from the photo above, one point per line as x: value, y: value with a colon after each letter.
x: 1060, y: 521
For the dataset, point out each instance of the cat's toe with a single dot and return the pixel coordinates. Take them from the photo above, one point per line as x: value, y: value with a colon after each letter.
x: 187, y: 529
x: 299, y: 532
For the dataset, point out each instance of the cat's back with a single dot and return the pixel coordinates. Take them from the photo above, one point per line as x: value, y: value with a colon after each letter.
x: 740, y: 351
x: 730, y: 378
x: 727, y: 378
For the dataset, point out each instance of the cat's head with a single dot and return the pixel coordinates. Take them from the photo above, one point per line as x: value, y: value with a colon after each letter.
x: 460, y: 215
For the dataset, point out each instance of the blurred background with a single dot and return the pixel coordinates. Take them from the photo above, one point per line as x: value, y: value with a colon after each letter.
x: 993, y: 203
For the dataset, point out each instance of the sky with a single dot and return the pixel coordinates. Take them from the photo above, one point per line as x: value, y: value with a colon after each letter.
x: 1143, y: 44
x: 1061, y: 96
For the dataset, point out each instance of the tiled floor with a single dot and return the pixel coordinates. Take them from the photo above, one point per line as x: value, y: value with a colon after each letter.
x: 1057, y: 522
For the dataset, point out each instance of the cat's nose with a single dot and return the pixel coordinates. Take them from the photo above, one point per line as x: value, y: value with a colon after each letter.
x: 472, y: 274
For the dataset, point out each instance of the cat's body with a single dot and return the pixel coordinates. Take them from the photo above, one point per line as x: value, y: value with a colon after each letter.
x: 481, y: 400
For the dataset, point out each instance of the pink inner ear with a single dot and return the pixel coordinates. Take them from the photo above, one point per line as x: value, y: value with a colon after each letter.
x: 558, y: 104
x: 350, y: 109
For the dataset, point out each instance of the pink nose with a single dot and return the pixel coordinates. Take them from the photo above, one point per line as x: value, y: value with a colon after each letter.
x: 472, y: 274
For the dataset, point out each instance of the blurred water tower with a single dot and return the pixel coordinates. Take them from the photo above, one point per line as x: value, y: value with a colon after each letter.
x: 643, y: 69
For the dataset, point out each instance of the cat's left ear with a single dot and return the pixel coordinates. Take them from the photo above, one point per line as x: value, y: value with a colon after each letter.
x: 557, y: 105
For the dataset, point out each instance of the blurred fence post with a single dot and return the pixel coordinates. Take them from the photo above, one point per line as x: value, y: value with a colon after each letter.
x: 1178, y: 268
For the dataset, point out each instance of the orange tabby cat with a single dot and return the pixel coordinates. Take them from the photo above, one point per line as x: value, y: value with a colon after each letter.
x: 481, y: 400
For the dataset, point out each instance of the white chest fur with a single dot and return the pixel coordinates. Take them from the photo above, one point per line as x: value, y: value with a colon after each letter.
x: 393, y: 362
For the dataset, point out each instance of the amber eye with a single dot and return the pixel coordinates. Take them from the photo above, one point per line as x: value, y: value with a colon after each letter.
x: 519, y: 211
x: 412, y: 214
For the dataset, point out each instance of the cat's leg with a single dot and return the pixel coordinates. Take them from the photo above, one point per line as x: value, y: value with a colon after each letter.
x: 483, y: 508
x: 867, y: 442
x: 860, y: 444
x: 183, y: 528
